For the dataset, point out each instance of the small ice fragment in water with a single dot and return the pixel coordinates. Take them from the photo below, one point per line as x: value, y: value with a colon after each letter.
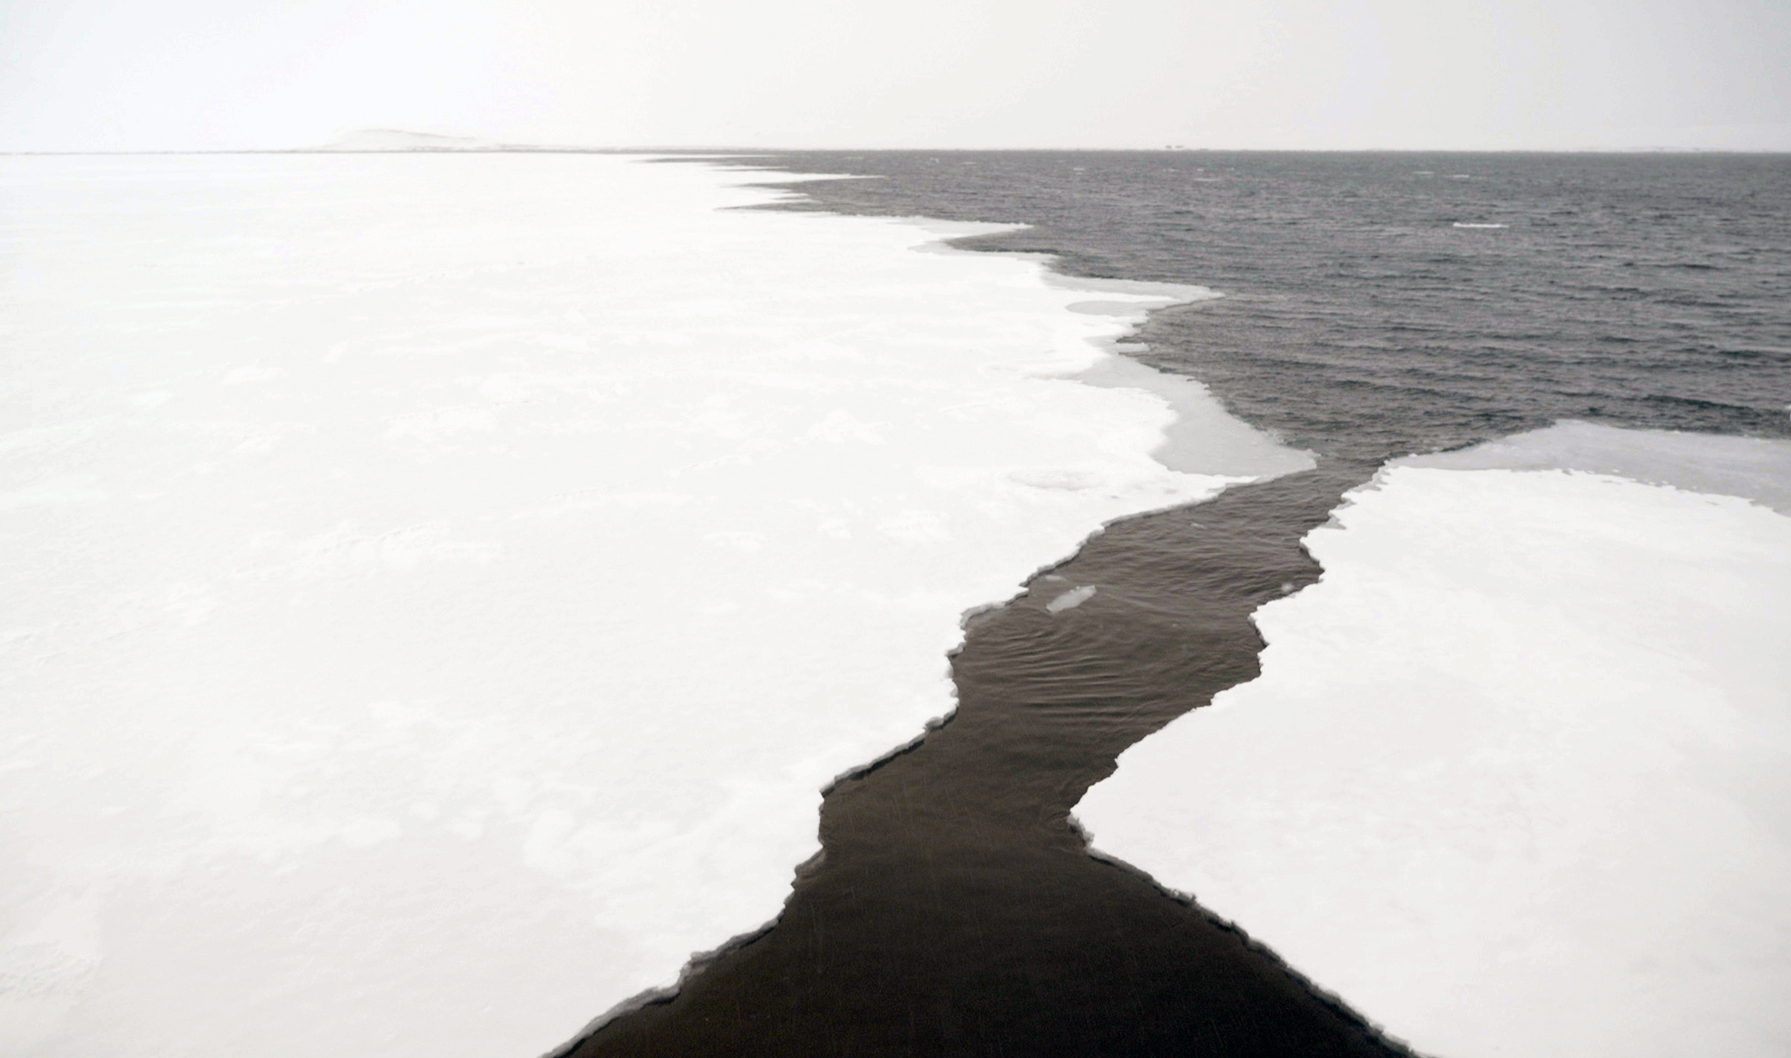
x: 1071, y: 599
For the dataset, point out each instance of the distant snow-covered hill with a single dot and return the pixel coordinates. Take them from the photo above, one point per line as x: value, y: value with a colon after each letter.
x: 402, y: 140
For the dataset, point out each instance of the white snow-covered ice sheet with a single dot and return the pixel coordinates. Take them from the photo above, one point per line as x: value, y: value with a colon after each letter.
x: 437, y: 587
x: 1516, y: 778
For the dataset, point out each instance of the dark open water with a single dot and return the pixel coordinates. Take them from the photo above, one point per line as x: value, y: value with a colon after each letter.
x: 955, y: 909
x: 1635, y: 290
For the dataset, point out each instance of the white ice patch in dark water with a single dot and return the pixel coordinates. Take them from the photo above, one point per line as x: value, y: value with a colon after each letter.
x: 437, y: 593
x: 1514, y: 778
x: 1071, y: 599
x: 1464, y: 224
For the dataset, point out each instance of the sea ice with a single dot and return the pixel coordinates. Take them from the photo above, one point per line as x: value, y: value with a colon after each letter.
x: 1514, y: 778
x: 1754, y: 468
x: 438, y: 586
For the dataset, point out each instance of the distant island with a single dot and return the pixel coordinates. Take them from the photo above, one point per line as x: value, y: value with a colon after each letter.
x: 403, y: 140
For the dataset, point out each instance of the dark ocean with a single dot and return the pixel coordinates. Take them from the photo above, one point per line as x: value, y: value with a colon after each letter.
x: 1375, y: 305
x: 1367, y: 314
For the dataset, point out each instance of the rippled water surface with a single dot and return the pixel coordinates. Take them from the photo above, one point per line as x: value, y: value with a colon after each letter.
x: 1386, y: 303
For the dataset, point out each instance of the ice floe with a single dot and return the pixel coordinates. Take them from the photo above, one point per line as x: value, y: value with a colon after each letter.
x: 1514, y: 780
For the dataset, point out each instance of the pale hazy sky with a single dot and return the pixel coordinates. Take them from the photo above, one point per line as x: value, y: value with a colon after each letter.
x: 193, y: 74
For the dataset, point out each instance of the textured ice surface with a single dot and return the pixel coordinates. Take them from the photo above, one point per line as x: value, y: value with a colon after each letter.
x: 438, y: 586
x: 1514, y: 779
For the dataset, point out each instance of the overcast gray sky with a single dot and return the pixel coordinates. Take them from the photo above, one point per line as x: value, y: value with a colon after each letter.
x: 191, y: 74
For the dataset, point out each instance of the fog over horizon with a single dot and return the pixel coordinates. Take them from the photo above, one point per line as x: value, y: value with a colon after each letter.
x: 106, y: 75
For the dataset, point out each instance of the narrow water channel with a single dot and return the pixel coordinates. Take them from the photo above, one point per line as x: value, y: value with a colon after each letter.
x: 956, y: 909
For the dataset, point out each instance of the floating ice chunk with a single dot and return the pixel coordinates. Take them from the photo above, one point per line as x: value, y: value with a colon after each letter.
x: 1071, y: 599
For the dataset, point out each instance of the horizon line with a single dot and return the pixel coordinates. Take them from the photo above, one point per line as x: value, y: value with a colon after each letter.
x: 741, y: 151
